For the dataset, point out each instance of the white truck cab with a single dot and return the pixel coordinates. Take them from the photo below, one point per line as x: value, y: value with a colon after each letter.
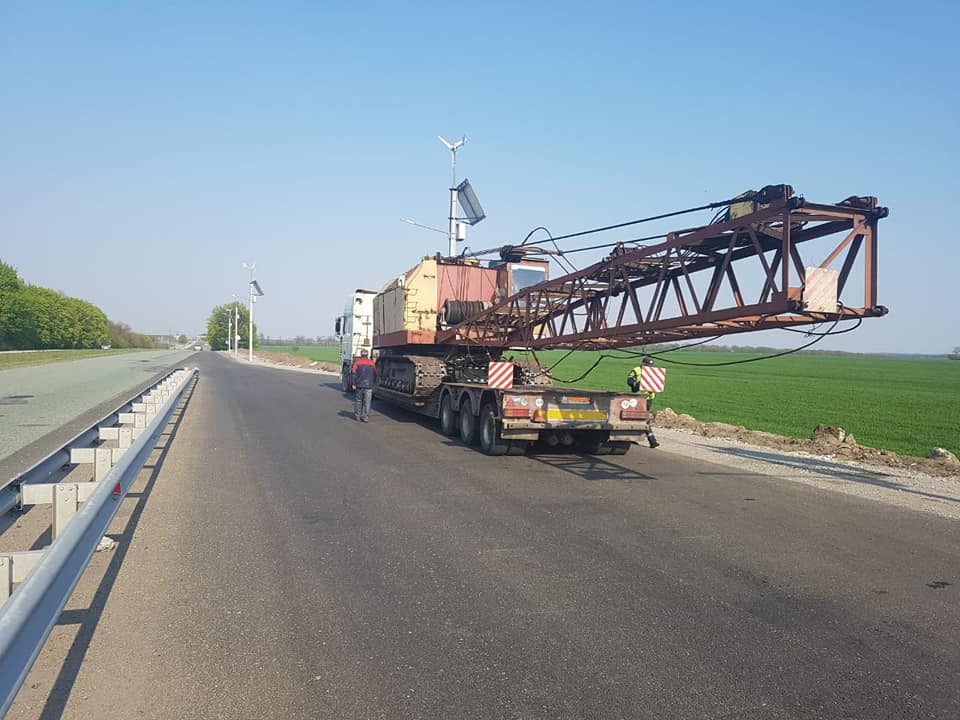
x: 354, y: 329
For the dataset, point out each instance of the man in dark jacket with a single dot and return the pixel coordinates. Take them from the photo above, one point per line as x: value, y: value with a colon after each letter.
x: 364, y: 374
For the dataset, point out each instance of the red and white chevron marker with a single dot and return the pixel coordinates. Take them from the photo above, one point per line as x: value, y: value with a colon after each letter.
x: 652, y: 379
x: 500, y: 375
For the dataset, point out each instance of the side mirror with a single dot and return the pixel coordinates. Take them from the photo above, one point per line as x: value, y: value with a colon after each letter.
x: 337, y: 327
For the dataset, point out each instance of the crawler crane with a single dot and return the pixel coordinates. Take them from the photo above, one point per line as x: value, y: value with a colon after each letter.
x: 445, y: 331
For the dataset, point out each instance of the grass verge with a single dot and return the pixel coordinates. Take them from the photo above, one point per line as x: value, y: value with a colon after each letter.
x: 320, y: 353
x: 901, y: 404
x: 41, y: 357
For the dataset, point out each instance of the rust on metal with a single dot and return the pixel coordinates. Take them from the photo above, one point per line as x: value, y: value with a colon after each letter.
x: 671, y: 291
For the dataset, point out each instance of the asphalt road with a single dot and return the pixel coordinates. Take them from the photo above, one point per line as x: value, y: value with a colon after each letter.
x: 36, y: 400
x: 283, y: 561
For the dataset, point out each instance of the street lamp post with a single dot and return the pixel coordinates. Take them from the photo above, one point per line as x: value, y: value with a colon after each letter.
x: 235, y: 338
x: 255, y: 292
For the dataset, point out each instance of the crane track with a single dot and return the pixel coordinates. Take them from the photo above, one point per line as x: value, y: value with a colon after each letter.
x: 420, y: 375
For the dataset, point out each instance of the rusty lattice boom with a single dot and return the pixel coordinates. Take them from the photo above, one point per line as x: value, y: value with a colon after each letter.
x: 689, y: 286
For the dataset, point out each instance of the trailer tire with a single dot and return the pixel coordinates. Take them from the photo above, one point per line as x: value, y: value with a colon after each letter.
x: 596, y: 443
x: 491, y: 441
x: 469, y: 427
x: 518, y: 447
x: 620, y: 447
x: 449, y: 423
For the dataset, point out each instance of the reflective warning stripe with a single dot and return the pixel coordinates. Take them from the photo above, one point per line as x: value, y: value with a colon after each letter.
x: 500, y: 375
x: 576, y: 415
x: 652, y: 379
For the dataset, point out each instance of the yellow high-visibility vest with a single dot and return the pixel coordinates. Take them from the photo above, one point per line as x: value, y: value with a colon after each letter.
x: 637, y: 372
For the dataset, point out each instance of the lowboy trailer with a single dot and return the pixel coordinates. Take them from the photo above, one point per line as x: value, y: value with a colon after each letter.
x: 505, y: 421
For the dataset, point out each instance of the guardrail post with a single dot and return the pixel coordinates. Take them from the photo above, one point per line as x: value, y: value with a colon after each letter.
x: 65, y: 506
x: 14, y: 568
x: 102, y: 462
x: 102, y: 458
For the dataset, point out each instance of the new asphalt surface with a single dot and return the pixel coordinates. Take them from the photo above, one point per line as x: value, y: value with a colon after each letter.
x: 37, y: 400
x: 281, y: 560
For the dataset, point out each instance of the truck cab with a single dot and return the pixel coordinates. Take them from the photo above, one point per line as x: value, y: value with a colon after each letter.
x: 354, y: 330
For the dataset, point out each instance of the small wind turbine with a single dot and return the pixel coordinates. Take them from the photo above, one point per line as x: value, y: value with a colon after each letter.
x: 453, y: 147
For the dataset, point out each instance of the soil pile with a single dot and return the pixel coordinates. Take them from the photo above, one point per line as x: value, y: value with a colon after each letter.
x: 826, y: 440
x: 297, y: 361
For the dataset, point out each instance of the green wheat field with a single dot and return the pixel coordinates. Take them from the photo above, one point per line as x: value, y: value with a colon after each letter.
x: 320, y: 353
x: 908, y: 405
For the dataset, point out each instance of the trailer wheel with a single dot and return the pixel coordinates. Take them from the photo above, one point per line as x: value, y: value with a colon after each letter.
x: 518, y: 447
x: 596, y: 443
x: 449, y: 424
x: 620, y: 447
x: 469, y: 426
x: 490, y: 440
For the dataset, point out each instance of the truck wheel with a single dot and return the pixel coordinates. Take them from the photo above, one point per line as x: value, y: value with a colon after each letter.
x: 449, y: 424
x: 598, y: 448
x: 518, y: 447
x: 345, y: 379
x: 596, y: 443
x: 490, y: 440
x: 620, y: 447
x: 468, y: 424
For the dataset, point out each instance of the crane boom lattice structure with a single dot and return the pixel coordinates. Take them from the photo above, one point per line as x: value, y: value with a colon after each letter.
x: 744, y: 273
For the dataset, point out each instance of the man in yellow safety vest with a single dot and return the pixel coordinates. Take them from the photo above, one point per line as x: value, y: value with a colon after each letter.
x: 633, y: 381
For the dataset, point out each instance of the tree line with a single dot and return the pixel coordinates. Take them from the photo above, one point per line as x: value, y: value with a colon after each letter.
x: 301, y: 340
x: 222, y: 318
x: 38, y: 318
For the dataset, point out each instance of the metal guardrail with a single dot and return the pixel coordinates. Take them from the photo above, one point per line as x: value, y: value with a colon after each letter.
x: 44, y: 469
x: 31, y: 612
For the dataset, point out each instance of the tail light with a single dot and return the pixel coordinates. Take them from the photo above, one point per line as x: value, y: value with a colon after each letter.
x: 516, y: 413
x: 516, y: 406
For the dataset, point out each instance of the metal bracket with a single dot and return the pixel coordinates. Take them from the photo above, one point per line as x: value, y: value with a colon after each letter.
x: 65, y: 498
x: 123, y: 435
x: 14, y: 567
x: 101, y: 458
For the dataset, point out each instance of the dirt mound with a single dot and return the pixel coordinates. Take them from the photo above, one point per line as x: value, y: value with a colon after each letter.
x: 826, y: 440
x: 297, y: 361
x: 945, y: 456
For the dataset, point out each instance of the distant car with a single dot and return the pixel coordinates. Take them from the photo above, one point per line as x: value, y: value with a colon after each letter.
x: 105, y: 346
x: 198, y: 346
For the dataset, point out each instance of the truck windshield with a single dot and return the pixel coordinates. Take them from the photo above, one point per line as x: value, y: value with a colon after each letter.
x: 525, y: 276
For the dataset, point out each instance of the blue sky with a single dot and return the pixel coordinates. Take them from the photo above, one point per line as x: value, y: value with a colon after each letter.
x: 147, y: 149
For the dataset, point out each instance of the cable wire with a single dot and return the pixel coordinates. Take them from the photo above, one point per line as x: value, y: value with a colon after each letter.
x: 616, y: 226
x: 708, y: 206
x: 818, y: 336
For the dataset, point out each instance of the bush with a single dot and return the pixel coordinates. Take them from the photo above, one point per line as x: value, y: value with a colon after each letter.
x: 33, y: 317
